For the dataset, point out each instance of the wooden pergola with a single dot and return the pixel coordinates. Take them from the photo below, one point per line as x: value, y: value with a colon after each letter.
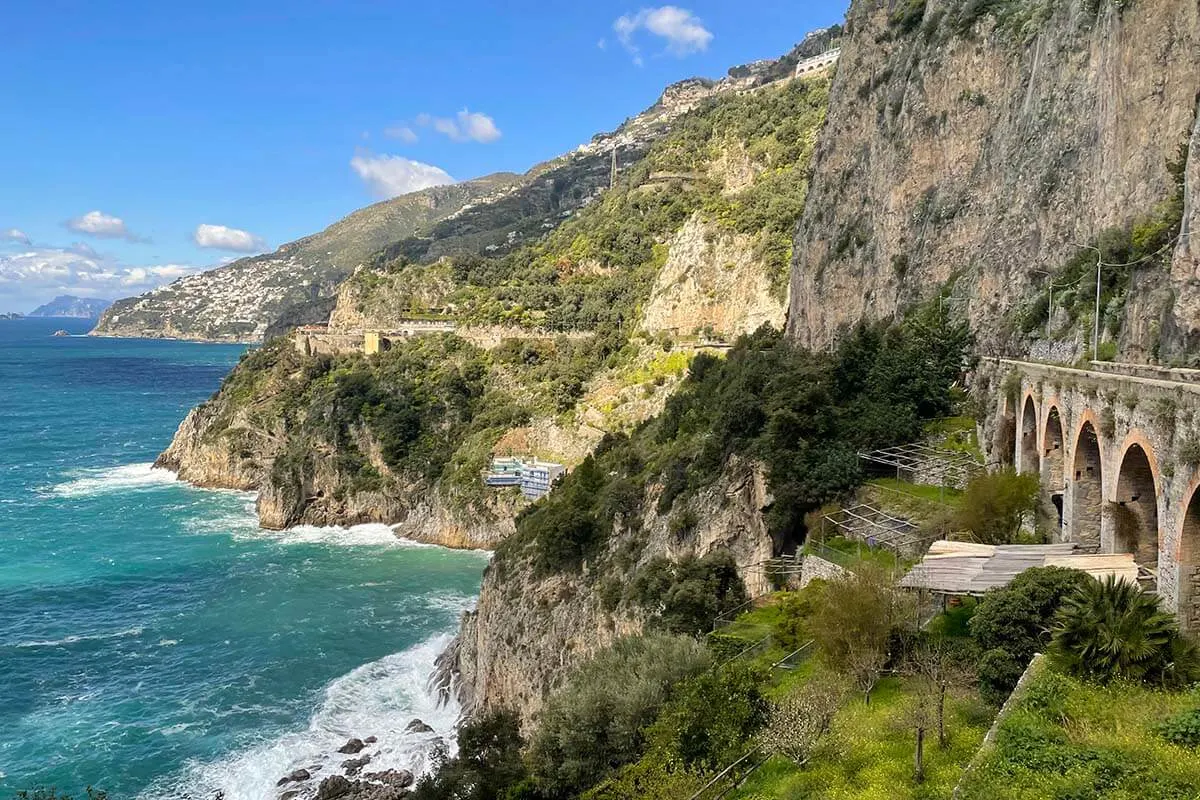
x: 966, y: 568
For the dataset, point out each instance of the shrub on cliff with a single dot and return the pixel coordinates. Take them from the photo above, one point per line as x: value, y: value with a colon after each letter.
x: 487, y: 764
x: 597, y: 721
x: 686, y: 596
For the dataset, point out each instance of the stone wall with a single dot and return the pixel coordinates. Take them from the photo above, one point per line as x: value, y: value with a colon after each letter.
x: 1123, y: 456
x: 815, y: 567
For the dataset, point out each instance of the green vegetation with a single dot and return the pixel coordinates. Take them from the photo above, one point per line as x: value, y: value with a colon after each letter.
x: 1182, y: 729
x: 802, y: 414
x: 488, y: 760
x: 594, y: 270
x: 1010, y: 624
x: 687, y: 595
x: 1142, y: 245
x: 855, y: 620
x: 1109, y: 630
x: 1067, y: 738
x: 599, y: 718
x: 995, y: 505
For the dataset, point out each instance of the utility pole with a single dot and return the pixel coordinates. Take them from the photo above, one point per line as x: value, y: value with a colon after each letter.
x: 1096, y: 321
x: 1096, y: 324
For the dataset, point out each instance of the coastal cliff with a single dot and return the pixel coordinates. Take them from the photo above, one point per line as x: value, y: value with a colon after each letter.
x: 528, y: 629
x: 540, y: 347
x: 985, y: 145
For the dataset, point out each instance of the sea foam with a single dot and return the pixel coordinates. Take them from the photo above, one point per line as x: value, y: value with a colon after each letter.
x: 377, y: 699
x: 126, y: 478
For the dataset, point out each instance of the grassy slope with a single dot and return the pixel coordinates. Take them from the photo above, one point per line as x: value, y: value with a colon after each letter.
x: 1069, y: 739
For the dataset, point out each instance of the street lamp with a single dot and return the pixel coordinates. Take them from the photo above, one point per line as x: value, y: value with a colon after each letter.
x: 1051, y: 287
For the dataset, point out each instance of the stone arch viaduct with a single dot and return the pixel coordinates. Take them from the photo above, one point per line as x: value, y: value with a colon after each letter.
x: 1117, y: 451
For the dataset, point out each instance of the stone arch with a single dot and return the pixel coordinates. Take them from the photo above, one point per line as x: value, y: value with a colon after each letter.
x: 1004, y: 441
x: 1087, y: 485
x: 1053, y: 465
x: 1029, y: 461
x: 1189, y: 563
x: 1135, y: 502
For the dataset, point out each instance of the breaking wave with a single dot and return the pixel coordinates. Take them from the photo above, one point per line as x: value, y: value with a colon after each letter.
x: 126, y: 478
x: 377, y: 699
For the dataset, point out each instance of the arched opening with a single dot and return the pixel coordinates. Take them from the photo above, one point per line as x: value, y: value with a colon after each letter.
x: 1087, y: 493
x: 1004, y: 443
x: 1052, y: 467
x: 1189, y: 565
x: 1135, y: 509
x: 1029, y: 444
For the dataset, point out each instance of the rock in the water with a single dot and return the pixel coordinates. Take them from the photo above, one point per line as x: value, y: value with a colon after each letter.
x: 400, y: 778
x: 354, y: 766
x: 417, y: 726
x: 290, y: 794
x: 334, y: 786
x: 351, y: 747
x: 370, y: 740
x: 295, y: 776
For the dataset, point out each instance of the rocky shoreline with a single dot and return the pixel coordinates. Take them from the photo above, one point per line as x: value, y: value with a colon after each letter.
x: 351, y: 779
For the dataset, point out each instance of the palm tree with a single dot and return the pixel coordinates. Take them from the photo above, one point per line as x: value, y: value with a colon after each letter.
x: 1112, y: 629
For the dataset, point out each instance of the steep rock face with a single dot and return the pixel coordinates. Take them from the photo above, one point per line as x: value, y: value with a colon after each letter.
x: 240, y: 301
x: 711, y: 281
x: 528, y: 631
x: 239, y: 440
x: 986, y: 149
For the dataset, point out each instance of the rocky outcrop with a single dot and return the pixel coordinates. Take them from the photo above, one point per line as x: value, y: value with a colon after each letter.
x: 528, y: 631
x: 227, y: 443
x: 712, y: 284
x: 986, y: 142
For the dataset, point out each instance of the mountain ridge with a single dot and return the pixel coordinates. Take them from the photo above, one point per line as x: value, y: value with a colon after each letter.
x: 264, y: 295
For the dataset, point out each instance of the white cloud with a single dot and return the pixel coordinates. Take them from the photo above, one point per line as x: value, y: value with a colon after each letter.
x: 391, y: 176
x: 68, y: 271
x: 104, y: 226
x: 681, y: 29
x: 465, y: 126
x: 402, y: 132
x: 15, y: 235
x: 220, y: 237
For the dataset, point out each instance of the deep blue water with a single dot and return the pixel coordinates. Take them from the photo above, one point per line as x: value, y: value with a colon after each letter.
x: 153, y: 641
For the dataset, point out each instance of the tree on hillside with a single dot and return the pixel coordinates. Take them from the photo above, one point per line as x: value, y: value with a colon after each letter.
x: 597, y: 722
x: 995, y: 504
x: 854, y: 622
x: 487, y: 764
x: 798, y: 721
x: 1111, y: 629
x: 1012, y: 623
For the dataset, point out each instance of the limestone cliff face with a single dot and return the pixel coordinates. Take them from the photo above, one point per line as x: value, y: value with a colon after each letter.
x: 712, y: 281
x: 527, y: 632
x: 986, y: 149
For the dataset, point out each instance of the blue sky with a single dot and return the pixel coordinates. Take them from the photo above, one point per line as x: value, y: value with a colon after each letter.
x: 129, y: 125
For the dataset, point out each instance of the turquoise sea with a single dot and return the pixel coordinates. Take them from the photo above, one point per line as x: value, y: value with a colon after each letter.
x: 153, y: 641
